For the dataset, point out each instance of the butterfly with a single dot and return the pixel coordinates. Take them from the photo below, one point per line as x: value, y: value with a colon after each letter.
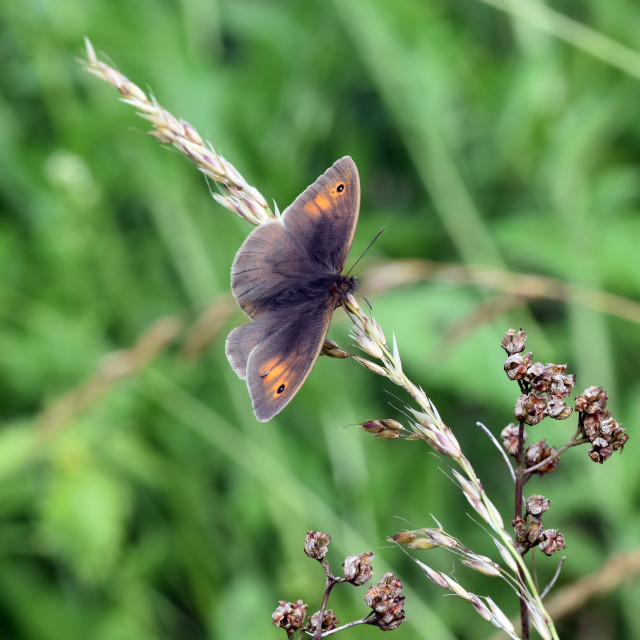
x: 287, y: 277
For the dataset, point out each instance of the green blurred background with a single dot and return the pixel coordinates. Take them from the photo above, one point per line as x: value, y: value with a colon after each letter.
x: 154, y: 506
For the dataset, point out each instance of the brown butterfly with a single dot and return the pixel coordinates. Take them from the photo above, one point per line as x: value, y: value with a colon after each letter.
x: 287, y: 277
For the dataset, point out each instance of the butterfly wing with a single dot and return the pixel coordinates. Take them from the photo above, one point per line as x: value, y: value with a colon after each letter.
x: 244, y: 339
x: 269, y: 262
x: 277, y: 351
x: 323, y: 217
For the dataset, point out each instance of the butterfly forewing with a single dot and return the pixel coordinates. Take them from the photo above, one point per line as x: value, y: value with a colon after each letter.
x: 267, y: 264
x: 323, y: 217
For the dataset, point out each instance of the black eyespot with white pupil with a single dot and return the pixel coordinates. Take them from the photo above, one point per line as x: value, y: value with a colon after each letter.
x: 280, y: 389
x: 340, y: 187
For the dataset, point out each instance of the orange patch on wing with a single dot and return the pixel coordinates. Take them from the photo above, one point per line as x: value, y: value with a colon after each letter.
x: 274, y: 374
x: 322, y: 202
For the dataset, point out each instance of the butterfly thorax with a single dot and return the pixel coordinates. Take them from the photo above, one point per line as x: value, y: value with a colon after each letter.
x: 342, y: 286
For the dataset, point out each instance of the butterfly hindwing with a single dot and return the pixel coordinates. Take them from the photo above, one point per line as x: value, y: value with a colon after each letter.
x: 244, y: 339
x: 281, y: 362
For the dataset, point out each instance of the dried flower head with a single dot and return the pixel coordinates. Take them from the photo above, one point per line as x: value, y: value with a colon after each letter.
x: 530, y: 408
x: 329, y: 620
x: 592, y: 399
x: 392, y: 616
x: 513, y: 341
x: 316, y: 544
x: 529, y: 531
x: 289, y: 615
x: 557, y: 408
x: 552, y: 541
x: 536, y: 505
x: 543, y: 386
x: 619, y: 439
x: 550, y: 378
x: 515, y: 367
x: 539, y: 377
x: 520, y: 529
x: 539, y: 451
x: 612, y: 431
x: 509, y: 437
x: 561, y: 383
x: 600, y: 450
x: 357, y: 569
x: 387, y: 602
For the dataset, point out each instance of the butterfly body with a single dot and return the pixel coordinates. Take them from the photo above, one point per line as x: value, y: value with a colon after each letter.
x: 332, y: 287
x: 287, y: 277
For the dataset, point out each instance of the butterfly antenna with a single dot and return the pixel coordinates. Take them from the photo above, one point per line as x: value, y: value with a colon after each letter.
x: 365, y: 251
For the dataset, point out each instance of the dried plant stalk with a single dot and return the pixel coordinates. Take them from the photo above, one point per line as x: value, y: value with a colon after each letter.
x: 237, y: 194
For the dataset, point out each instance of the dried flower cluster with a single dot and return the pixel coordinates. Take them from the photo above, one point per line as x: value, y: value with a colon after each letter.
x: 529, y: 531
x: 385, y: 600
x: 598, y: 425
x: 544, y: 389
